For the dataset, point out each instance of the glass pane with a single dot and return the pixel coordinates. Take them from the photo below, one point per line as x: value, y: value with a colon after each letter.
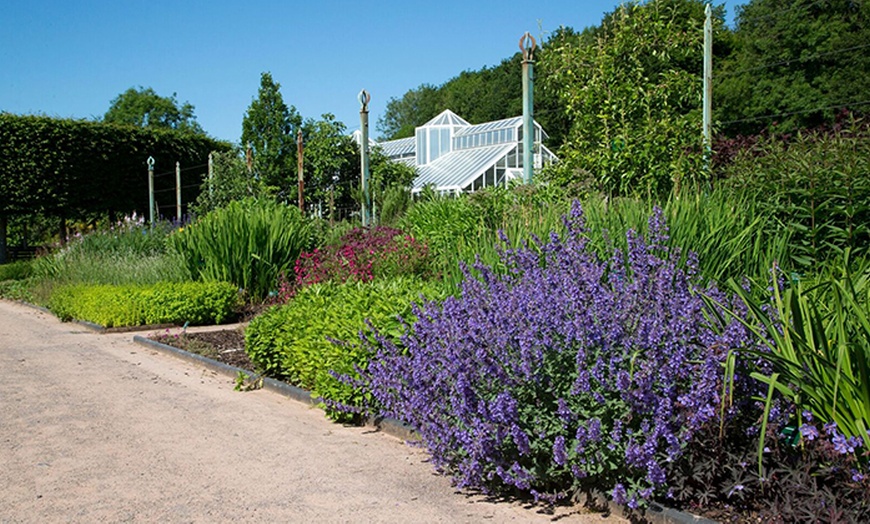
x: 421, y: 146
x: 445, y: 141
x: 435, y: 144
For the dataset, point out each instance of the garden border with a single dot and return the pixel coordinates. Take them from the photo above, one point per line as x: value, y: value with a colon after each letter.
x: 655, y: 514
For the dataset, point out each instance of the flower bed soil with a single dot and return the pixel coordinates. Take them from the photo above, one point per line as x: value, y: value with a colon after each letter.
x: 226, y: 346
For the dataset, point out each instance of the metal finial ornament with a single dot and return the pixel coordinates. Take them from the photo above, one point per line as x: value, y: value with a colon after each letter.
x: 364, y: 99
x: 528, y: 45
x: 150, y: 162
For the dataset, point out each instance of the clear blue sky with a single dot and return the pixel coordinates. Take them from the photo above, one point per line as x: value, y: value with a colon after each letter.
x: 68, y: 58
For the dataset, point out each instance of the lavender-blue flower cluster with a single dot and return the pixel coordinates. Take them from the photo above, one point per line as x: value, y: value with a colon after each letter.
x: 561, y: 370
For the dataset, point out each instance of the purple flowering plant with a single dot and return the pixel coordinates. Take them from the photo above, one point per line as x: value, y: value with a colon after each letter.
x: 563, y: 372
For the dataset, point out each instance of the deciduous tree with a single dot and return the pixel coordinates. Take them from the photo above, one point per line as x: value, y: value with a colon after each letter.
x: 143, y: 107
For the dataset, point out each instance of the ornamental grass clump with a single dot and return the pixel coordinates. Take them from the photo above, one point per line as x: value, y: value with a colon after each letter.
x: 568, y: 371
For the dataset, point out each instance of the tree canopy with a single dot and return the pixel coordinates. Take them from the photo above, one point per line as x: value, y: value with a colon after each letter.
x: 632, y: 92
x: 795, y: 63
x: 270, y: 127
x: 143, y: 107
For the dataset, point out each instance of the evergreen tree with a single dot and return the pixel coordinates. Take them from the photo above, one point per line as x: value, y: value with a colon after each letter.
x: 269, y: 127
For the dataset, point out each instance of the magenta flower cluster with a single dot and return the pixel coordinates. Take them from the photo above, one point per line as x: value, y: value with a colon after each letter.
x: 561, y: 370
x: 363, y: 255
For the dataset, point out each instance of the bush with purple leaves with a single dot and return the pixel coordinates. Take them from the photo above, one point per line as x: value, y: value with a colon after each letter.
x: 562, y: 370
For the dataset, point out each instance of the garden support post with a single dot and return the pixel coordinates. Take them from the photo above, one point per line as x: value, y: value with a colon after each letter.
x: 151, y: 191
x: 708, y: 86
x: 527, y: 46
x: 178, y: 192
x: 211, y: 175
x: 299, y: 159
x: 364, y: 99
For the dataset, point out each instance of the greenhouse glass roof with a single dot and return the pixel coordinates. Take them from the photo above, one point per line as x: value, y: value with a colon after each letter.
x: 453, y: 155
x: 454, y: 172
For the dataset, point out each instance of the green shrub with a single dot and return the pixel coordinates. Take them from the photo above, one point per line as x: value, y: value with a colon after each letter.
x: 249, y: 243
x: 295, y: 341
x: 16, y: 270
x: 17, y: 290
x: 465, y: 228
x: 177, y: 303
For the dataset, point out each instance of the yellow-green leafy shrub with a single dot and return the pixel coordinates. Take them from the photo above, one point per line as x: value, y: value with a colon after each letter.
x: 178, y: 303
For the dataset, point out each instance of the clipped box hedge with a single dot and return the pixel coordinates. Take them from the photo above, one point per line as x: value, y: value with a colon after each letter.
x: 170, y: 302
x: 317, y: 333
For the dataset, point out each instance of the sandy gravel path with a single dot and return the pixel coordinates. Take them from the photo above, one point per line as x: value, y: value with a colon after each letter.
x: 95, y: 428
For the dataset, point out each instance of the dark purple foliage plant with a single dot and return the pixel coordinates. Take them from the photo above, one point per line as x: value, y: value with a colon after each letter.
x: 567, y: 372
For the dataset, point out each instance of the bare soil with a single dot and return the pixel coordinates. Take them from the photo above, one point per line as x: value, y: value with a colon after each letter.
x: 95, y: 428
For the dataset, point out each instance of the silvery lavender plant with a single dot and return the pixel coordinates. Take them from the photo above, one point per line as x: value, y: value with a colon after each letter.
x: 564, y: 372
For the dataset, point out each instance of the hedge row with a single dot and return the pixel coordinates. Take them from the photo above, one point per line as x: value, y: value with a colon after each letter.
x: 114, y: 306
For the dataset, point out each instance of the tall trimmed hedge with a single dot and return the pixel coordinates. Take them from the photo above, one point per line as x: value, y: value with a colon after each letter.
x: 74, y: 168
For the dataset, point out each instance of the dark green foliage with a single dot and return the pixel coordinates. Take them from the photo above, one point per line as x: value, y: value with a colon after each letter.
x: 145, y: 108
x: 16, y: 270
x: 295, y: 341
x: 816, y: 184
x: 798, y: 60
x: 178, y: 303
x: 249, y: 243
x: 230, y: 181
x: 75, y: 169
x: 270, y: 127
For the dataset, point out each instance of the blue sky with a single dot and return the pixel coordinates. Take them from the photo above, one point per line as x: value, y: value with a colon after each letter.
x: 70, y: 58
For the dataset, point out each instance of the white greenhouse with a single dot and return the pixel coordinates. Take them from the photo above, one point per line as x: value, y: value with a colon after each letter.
x: 453, y: 156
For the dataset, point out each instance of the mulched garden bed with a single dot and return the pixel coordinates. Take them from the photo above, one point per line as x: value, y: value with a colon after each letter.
x: 227, y: 346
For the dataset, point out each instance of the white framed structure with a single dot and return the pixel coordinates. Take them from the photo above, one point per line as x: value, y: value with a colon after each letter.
x: 453, y: 156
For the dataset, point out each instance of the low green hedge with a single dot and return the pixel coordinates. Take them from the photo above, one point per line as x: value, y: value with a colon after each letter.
x: 297, y: 341
x: 16, y: 270
x: 177, y: 303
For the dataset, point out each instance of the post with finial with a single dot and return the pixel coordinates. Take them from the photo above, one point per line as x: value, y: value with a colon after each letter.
x: 527, y: 46
x: 364, y: 99
x: 151, y: 191
x: 708, y: 86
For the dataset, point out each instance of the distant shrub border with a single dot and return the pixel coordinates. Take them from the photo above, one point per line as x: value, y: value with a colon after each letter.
x: 121, y: 306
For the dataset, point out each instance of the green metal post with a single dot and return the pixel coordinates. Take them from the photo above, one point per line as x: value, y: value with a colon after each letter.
x: 527, y: 46
x: 364, y: 99
x: 151, y: 191
x: 178, y: 192
x: 708, y: 86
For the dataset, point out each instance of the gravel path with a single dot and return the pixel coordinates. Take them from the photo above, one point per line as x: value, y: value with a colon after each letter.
x: 94, y: 428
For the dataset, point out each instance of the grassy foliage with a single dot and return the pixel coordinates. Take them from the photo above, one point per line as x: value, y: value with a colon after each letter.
x: 296, y: 341
x: 248, y: 242
x: 127, y: 254
x: 818, y: 340
x: 133, y: 305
